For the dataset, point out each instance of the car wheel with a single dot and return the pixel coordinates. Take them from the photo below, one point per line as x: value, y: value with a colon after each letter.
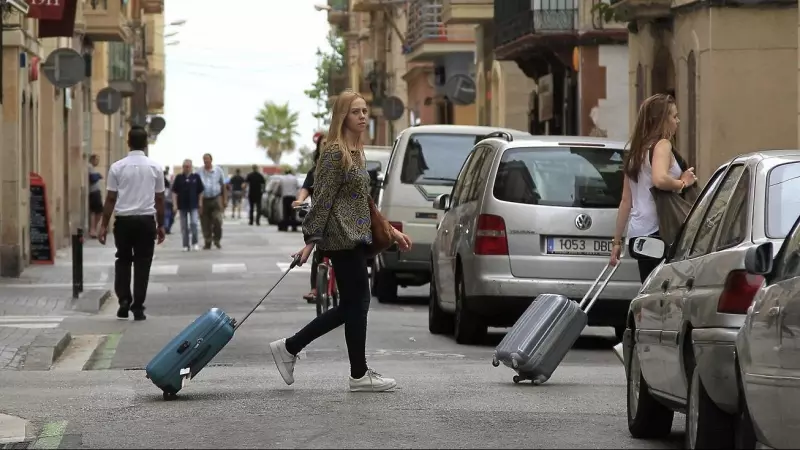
x: 707, y: 426
x: 386, y: 289
x: 469, y: 329
x: 647, y: 418
x: 439, y: 322
x: 745, y: 435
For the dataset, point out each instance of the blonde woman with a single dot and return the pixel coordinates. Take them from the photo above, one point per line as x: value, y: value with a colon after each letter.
x: 650, y: 161
x: 339, y: 225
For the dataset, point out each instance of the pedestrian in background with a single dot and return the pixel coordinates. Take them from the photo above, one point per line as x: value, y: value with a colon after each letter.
x: 95, y: 196
x: 136, y: 197
x: 651, y: 161
x: 255, y: 190
x: 214, y: 202
x: 237, y: 190
x: 187, y: 194
x: 289, y: 188
x: 307, y: 191
x: 339, y: 224
x: 169, y: 206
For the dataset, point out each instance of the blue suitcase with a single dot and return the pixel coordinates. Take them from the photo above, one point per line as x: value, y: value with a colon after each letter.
x: 191, y: 350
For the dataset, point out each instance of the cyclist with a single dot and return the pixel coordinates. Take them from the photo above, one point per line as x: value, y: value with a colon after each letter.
x: 307, y: 191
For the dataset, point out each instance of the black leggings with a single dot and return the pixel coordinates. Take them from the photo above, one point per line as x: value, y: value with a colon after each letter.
x: 350, y: 267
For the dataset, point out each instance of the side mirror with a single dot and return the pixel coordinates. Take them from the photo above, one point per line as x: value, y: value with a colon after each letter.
x: 648, y: 247
x: 758, y: 259
x: 442, y: 202
x: 373, y: 166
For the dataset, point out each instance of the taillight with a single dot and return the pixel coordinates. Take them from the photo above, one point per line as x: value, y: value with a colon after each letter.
x: 737, y: 295
x: 490, y: 237
x: 397, y: 225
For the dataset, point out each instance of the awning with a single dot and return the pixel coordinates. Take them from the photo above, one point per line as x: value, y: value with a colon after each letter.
x: 53, y: 24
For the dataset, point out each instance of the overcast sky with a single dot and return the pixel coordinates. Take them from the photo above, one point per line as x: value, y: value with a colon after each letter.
x: 231, y: 57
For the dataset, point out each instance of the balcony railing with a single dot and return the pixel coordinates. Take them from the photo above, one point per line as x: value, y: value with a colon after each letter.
x: 120, y: 67
x: 338, y: 5
x: 517, y: 18
x: 106, y: 20
x: 425, y: 23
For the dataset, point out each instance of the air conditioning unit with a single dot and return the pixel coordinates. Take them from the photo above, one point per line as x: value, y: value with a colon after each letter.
x: 369, y: 66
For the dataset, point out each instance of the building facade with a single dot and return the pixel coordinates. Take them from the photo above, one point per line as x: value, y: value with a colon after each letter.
x: 732, y: 68
x: 50, y: 132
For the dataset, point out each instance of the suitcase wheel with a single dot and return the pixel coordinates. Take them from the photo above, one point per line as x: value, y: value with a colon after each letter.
x: 168, y: 396
x: 517, y: 379
x: 495, y: 362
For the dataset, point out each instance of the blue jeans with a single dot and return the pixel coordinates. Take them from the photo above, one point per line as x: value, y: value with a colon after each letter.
x: 168, y: 218
x: 189, y: 220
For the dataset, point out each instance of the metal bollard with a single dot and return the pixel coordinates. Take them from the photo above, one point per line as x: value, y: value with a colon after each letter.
x: 80, y: 260
x: 77, y: 263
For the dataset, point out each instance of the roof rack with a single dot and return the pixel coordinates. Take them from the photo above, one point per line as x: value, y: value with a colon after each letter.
x: 500, y: 134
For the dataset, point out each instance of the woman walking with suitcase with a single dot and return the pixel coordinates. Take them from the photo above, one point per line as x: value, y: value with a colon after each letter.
x: 651, y: 161
x: 339, y: 225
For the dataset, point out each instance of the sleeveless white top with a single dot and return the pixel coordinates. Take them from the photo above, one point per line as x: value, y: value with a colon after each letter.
x: 643, y: 220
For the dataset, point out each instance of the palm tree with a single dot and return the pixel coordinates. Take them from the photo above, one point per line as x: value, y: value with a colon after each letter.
x: 277, y: 128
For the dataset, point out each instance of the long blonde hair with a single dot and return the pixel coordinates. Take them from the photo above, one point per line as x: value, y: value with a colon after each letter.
x: 651, y: 126
x: 341, y: 108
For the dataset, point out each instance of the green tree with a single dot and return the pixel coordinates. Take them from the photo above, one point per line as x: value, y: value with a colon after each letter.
x: 328, y: 63
x: 277, y: 129
x: 306, y: 160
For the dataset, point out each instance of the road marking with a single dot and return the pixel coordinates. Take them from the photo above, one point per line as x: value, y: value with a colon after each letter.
x: 228, y: 268
x: 104, y: 356
x: 285, y: 266
x: 51, y: 285
x: 31, y: 322
x: 164, y: 269
x: 51, y: 435
x: 78, y: 354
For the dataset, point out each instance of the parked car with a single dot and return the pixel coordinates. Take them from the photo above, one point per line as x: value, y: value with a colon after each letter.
x: 271, y: 202
x: 528, y: 216
x: 424, y: 163
x: 768, y: 344
x: 682, y: 327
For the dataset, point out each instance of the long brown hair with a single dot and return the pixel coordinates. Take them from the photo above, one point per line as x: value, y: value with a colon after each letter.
x: 341, y: 108
x: 651, y: 127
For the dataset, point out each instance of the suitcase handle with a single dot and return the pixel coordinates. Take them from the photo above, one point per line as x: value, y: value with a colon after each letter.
x: 599, y: 290
x: 295, y: 263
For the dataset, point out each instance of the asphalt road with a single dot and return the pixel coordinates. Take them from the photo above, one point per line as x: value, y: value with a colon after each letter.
x: 448, y: 395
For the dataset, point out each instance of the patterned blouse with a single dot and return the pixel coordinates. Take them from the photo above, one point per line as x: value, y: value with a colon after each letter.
x: 339, y: 216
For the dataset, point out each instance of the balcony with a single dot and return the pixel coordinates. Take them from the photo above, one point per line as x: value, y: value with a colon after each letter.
x: 338, y: 14
x: 120, y: 68
x: 524, y: 24
x: 337, y: 82
x: 140, y: 41
x: 628, y: 10
x: 428, y: 38
x: 467, y: 12
x: 106, y: 20
x: 153, y: 6
x: 155, y: 92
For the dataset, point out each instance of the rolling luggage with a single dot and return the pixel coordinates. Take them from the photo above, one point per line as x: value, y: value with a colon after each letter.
x: 541, y: 338
x: 191, y: 350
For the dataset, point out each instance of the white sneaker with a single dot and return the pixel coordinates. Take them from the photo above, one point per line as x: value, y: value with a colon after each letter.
x: 186, y: 249
x: 283, y: 359
x: 372, y: 382
x: 196, y: 247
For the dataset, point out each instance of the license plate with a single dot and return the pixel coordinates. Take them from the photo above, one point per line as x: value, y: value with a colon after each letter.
x: 578, y: 246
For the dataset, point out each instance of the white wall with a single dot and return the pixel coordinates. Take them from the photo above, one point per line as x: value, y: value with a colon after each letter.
x: 612, y: 111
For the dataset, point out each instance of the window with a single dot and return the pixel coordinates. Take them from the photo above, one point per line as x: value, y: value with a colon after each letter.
x: 462, y: 181
x: 735, y: 223
x: 692, y: 223
x: 713, y: 217
x: 788, y: 263
x: 561, y: 176
x: 478, y: 173
x: 783, y: 199
x: 435, y: 159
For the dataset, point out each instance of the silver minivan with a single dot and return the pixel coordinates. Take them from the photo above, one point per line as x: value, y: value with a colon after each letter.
x: 525, y: 217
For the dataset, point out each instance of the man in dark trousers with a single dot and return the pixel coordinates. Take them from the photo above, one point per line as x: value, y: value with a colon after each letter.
x: 237, y: 189
x: 255, y: 188
x: 187, y: 190
x: 136, y: 197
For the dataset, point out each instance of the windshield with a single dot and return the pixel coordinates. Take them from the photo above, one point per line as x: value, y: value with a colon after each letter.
x: 435, y: 159
x: 562, y: 176
x: 783, y: 201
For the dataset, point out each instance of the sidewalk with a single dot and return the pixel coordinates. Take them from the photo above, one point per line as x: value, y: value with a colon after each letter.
x: 33, y: 305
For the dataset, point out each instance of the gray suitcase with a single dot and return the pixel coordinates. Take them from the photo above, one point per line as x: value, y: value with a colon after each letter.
x: 547, y: 330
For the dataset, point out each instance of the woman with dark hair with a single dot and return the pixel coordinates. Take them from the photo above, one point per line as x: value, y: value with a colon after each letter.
x: 307, y: 191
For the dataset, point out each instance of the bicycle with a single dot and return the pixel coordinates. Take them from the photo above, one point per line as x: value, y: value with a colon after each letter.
x: 327, y: 296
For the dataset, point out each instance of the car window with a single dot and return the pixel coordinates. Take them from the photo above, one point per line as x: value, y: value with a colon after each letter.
x: 783, y: 199
x: 735, y: 222
x: 479, y: 172
x: 787, y: 261
x: 435, y: 159
x: 392, y: 155
x: 561, y: 176
x: 462, y: 181
x: 692, y: 222
x: 713, y: 218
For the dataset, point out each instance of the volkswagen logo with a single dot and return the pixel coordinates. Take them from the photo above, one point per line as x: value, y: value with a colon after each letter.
x: 583, y: 222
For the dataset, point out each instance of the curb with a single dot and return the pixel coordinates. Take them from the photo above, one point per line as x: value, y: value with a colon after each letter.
x: 45, y: 349
x: 13, y: 429
x: 91, y: 301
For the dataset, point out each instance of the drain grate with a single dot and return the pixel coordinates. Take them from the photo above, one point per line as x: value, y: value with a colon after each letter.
x: 17, y: 445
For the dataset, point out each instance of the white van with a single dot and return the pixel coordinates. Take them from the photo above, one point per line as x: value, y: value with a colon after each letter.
x: 424, y: 163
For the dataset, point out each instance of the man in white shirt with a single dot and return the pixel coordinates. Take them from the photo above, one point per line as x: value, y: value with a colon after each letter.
x: 289, y: 188
x: 136, y: 196
x: 215, y: 201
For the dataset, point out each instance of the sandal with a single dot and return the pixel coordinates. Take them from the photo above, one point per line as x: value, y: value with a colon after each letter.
x: 310, y: 297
